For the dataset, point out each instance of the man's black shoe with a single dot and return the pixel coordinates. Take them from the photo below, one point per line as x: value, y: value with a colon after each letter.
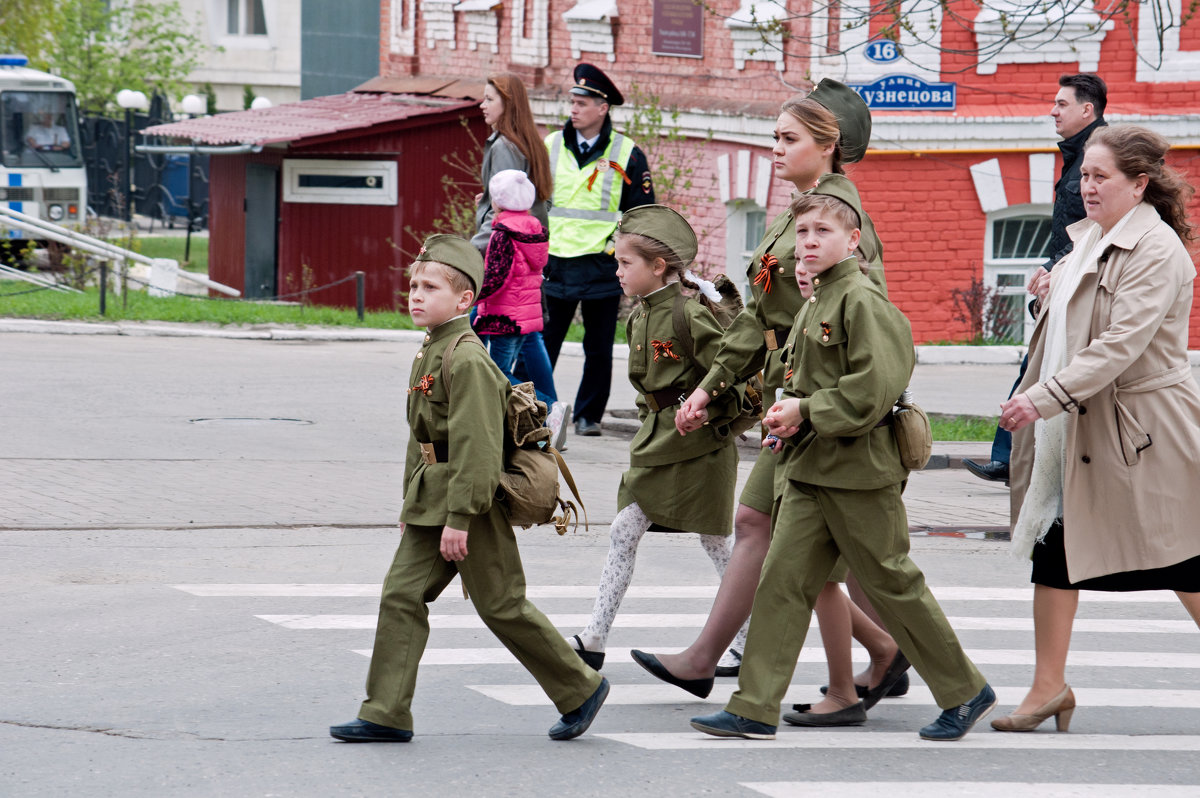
x: 994, y: 471
x: 588, y: 428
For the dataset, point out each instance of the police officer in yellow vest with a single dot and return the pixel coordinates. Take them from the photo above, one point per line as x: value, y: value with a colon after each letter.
x: 598, y: 174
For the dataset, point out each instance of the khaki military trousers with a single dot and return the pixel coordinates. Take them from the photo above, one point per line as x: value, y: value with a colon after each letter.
x: 495, y: 580
x: 811, y: 526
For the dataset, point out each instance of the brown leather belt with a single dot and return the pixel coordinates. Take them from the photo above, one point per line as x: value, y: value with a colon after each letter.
x: 436, y: 452
x: 775, y: 338
x: 657, y: 400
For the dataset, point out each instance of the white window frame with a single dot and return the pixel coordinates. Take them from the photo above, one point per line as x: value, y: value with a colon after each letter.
x: 219, y: 25
x: 737, y: 258
x: 385, y: 192
x: 994, y: 268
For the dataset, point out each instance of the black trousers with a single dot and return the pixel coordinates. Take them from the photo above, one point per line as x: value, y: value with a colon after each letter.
x: 599, y: 327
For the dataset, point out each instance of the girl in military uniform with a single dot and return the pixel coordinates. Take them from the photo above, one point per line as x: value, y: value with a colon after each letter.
x: 814, y: 136
x: 673, y: 484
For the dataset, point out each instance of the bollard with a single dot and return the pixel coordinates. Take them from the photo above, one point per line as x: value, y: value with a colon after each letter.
x: 103, y: 285
x: 360, y: 291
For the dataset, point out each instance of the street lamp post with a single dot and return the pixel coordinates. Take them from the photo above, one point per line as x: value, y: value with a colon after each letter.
x: 130, y: 100
x: 193, y: 105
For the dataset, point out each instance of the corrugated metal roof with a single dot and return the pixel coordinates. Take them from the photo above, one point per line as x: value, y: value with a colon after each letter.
x: 319, y: 116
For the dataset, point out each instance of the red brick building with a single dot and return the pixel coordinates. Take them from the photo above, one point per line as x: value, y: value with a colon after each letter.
x: 960, y: 187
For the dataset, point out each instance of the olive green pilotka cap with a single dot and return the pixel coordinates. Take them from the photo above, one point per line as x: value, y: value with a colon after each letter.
x: 665, y: 226
x: 839, y: 186
x: 456, y: 252
x: 853, y: 115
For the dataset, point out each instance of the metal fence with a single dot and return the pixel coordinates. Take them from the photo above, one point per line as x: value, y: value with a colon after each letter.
x: 170, y: 188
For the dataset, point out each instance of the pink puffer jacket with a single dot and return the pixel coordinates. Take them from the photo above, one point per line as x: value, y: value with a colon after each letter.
x: 511, y: 298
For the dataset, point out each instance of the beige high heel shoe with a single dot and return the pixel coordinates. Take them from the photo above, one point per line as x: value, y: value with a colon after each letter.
x: 1062, y: 707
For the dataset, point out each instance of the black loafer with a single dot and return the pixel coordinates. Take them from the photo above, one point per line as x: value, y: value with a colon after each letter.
x: 993, y: 471
x: 364, y: 731
x: 587, y: 428
x: 575, y: 723
x: 593, y: 659
x: 850, y: 716
x: 898, y: 689
x: 890, y: 677
x: 730, y: 670
x: 697, y: 687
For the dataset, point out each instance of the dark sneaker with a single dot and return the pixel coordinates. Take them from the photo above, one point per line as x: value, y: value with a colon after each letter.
x: 954, y: 723
x: 727, y: 724
x: 575, y: 723
x: 364, y: 731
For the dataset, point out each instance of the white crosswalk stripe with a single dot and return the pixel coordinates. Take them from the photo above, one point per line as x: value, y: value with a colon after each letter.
x: 1118, y: 636
x: 964, y: 789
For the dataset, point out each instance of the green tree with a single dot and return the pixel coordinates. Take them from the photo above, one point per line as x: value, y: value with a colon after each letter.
x: 140, y: 45
x: 29, y: 27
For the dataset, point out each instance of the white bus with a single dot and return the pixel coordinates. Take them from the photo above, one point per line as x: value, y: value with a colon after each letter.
x: 41, y: 156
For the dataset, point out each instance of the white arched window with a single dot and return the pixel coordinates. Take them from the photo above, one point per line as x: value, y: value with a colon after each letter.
x: 1016, y: 244
x: 745, y: 226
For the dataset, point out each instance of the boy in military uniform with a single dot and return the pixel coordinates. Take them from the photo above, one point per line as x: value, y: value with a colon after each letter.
x: 838, y: 485
x: 451, y: 522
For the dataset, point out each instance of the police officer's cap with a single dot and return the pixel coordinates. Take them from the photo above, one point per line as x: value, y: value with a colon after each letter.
x: 457, y: 253
x: 591, y: 82
x: 854, y: 117
x: 665, y: 226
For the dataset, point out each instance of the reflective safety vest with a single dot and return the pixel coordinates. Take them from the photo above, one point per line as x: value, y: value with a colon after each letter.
x: 586, y: 204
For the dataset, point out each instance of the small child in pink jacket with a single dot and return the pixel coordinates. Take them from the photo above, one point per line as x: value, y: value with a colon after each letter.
x: 509, y: 311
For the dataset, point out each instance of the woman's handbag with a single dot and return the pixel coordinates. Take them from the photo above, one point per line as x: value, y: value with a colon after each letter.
x: 914, y: 437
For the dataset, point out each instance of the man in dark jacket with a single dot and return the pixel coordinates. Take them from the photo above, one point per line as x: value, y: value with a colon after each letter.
x: 598, y: 174
x: 1078, y: 110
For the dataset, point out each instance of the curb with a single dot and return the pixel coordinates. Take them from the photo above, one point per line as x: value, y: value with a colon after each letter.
x: 950, y: 355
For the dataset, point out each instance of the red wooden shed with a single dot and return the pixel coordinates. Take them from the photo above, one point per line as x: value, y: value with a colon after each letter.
x: 305, y: 194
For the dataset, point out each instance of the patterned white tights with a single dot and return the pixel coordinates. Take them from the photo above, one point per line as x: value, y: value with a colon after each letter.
x: 627, y: 530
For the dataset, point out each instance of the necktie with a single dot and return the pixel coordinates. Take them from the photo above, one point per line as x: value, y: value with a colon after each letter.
x: 583, y: 149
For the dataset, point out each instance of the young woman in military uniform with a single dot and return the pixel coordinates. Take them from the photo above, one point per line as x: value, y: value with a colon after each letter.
x: 814, y: 136
x: 673, y: 484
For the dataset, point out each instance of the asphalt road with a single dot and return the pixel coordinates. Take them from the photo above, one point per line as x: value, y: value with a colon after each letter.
x: 186, y: 604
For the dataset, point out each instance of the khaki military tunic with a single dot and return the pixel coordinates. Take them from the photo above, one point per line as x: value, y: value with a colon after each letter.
x: 754, y: 341
x: 684, y: 483
x: 458, y: 490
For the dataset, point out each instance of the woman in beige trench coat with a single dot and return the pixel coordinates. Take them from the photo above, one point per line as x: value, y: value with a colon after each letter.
x: 1104, y: 494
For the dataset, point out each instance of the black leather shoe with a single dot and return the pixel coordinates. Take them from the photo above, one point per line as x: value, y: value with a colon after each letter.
x: 593, y: 659
x: 364, y: 731
x: 848, y: 716
x: 892, y: 675
x: 898, y: 689
x: 993, y: 471
x: 730, y: 670
x: 697, y: 687
x: 575, y: 723
x: 587, y: 428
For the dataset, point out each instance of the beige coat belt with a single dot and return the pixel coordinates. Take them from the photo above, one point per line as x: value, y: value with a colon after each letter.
x: 1133, y: 437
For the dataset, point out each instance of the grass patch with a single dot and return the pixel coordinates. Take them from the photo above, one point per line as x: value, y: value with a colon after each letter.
x: 962, y: 428
x: 137, y: 306
x: 172, y: 247
x: 21, y: 300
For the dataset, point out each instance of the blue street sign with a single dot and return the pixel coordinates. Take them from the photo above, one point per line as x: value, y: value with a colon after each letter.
x: 882, y: 51
x: 909, y: 93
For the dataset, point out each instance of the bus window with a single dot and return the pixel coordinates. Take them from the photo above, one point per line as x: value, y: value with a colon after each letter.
x: 39, y: 129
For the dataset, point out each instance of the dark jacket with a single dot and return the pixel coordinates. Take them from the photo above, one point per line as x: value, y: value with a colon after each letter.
x: 1068, y: 202
x: 594, y: 276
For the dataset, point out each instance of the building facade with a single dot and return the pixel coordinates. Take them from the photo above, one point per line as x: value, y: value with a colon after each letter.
x: 960, y: 176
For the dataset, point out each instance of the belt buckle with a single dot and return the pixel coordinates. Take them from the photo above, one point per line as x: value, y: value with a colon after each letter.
x: 428, y: 455
x: 772, y: 342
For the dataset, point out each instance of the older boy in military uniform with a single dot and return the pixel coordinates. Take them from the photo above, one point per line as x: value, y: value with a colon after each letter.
x: 838, y: 485
x: 451, y: 522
